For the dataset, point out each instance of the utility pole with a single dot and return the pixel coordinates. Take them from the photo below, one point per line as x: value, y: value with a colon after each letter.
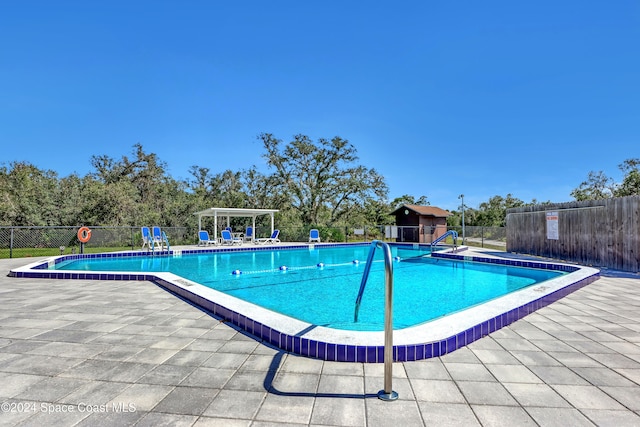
x: 461, y: 197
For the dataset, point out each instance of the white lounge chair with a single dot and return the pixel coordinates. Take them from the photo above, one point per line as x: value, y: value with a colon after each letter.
x: 273, y: 240
x: 158, y: 240
x: 314, y: 235
x: 204, y: 239
x: 228, y: 239
x: 248, y: 234
x: 146, y: 238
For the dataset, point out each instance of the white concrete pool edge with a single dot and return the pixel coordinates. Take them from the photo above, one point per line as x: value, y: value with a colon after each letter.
x: 450, y: 325
x: 431, y: 331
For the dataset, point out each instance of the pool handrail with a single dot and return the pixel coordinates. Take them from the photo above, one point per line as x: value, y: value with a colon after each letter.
x: 452, y: 233
x: 365, y: 277
x: 166, y: 241
x: 386, y: 394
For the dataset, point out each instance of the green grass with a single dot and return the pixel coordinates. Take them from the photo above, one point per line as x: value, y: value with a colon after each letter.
x: 477, y: 244
x: 485, y: 246
x: 37, y: 252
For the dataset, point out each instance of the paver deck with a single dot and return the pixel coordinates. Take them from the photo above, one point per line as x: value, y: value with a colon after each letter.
x: 87, y: 353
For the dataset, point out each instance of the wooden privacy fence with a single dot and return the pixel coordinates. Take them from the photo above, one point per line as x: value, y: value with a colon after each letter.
x: 602, y: 233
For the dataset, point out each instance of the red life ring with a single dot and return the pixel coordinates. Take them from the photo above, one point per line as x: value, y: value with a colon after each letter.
x: 84, y: 234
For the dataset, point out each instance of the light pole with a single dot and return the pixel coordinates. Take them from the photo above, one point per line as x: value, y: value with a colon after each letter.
x: 461, y: 197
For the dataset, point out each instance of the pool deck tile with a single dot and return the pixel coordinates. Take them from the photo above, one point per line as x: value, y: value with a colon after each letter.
x: 87, y: 352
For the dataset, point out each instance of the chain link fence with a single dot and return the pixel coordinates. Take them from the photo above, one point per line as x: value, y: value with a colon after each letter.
x: 339, y: 234
x: 485, y: 237
x: 17, y: 242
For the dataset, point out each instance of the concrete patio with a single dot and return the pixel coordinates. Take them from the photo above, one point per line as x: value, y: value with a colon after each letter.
x: 93, y: 353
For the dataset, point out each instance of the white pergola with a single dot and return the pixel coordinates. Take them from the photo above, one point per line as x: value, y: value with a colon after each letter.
x: 234, y: 212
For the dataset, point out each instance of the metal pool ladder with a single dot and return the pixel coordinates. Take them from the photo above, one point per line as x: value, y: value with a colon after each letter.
x: 387, y: 393
x: 454, y: 236
x: 164, y: 240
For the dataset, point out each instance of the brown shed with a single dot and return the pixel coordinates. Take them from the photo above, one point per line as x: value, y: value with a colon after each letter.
x: 421, y: 224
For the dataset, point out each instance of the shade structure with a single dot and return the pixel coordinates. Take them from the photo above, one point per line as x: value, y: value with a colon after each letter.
x: 227, y: 213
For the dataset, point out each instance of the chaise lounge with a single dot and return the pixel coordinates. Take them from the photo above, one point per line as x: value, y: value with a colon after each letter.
x: 228, y: 239
x: 204, y: 239
x: 146, y: 238
x: 273, y: 240
x: 314, y: 235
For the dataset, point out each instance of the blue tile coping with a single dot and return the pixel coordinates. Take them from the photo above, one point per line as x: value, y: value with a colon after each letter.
x: 431, y: 339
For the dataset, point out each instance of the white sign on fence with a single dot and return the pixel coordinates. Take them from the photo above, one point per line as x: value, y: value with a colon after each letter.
x: 552, y: 225
x: 391, y: 232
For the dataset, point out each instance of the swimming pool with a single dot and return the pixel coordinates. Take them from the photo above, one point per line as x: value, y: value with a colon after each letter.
x: 290, y: 282
x: 327, y: 339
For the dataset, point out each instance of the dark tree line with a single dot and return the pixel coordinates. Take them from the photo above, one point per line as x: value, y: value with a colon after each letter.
x: 598, y: 185
x: 313, y: 183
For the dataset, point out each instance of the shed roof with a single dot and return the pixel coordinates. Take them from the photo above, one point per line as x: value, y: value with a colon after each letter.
x: 424, y: 211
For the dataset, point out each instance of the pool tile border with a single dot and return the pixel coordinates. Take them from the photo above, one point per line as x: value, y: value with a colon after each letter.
x: 316, y: 348
x: 375, y: 354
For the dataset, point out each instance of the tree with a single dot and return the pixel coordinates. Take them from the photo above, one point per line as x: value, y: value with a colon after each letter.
x: 227, y: 189
x: 407, y: 199
x: 470, y: 217
x: 111, y: 204
x: 69, y: 200
x: 597, y: 186
x: 493, y: 213
x: 259, y: 191
x: 145, y: 172
x: 630, y: 185
x: 200, y: 185
x: 247, y: 188
x: 321, y: 180
x: 130, y: 191
x: 27, y: 195
x: 600, y: 186
x: 377, y: 212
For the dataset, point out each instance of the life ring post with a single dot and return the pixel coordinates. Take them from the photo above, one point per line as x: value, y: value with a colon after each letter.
x: 84, y: 235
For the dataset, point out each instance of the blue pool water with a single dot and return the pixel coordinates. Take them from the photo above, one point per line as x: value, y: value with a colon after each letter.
x: 425, y: 288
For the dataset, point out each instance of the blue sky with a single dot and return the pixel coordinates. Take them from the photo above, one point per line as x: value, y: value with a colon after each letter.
x: 442, y: 98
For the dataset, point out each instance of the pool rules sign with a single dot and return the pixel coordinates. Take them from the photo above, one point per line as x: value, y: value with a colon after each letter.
x: 552, y: 225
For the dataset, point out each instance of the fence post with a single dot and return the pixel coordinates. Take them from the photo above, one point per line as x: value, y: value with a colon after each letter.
x: 131, y: 238
x: 482, y: 235
x: 11, y: 244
